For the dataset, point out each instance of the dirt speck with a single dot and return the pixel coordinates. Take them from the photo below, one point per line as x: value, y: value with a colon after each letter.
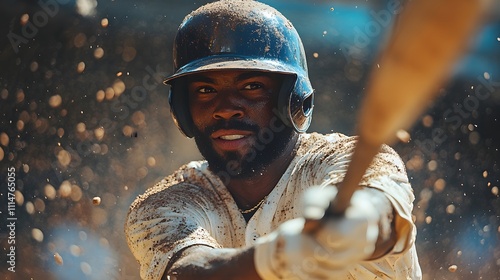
x: 96, y: 200
x: 58, y: 259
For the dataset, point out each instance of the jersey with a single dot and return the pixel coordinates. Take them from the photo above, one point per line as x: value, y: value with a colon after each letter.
x: 193, y: 207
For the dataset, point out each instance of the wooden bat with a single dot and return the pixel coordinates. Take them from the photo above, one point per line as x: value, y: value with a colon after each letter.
x: 428, y: 37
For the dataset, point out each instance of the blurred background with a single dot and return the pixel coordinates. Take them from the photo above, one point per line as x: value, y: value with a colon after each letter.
x: 84, y: 120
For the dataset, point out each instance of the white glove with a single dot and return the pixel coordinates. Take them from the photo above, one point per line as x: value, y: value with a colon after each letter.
x: 328, y: 251
x: 350, y: 238
x: 289, y: 253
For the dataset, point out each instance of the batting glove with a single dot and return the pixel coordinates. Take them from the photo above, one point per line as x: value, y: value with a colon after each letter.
x: 349, y: 238
x: 289, y: 253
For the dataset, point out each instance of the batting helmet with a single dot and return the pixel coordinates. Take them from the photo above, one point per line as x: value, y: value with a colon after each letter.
x: 243, y: 35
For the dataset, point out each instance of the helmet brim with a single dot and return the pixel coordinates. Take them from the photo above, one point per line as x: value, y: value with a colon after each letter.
x: 229, y: 62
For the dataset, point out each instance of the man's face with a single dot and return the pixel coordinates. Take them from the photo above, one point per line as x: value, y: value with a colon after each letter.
x: 235, y: 128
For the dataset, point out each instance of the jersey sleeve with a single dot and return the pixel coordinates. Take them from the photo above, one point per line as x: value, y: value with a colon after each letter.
x: 164, y: 221
x: 387, y: 173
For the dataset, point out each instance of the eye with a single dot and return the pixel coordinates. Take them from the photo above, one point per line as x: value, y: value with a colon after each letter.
x: 202, y: 92
x: 253, y: 86
x: 205, y: 90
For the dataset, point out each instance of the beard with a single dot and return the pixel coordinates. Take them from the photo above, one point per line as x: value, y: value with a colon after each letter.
x: 269, y: 145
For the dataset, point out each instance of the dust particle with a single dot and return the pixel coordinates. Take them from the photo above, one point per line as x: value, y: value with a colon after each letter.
x: 80, y: 67
x: 104, y: 22
x: 24, y: 19
x: 96, y: 200
x: 403, y: 136
x: 58, y: 259
x: 452, y: 268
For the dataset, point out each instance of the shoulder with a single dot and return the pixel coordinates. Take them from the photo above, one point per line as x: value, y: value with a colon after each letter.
x: 175, y: 213
x: 325, y: 143
x: 319, y: 155
x: 182, y: 200
x: 338, y: 143
x: 313, y: 137
x: 335, y: 150
x: 189, y: 181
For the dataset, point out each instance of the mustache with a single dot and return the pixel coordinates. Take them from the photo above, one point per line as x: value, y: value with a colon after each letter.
x: 231, y: 124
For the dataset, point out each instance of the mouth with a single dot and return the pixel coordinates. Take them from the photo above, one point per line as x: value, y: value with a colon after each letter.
x: 231, y: 137
x: 230, y: 140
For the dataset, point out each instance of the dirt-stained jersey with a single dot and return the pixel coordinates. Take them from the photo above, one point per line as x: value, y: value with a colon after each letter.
x: 193, y: 207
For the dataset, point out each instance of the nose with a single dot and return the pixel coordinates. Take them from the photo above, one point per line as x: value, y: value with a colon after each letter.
x: 228, y: 108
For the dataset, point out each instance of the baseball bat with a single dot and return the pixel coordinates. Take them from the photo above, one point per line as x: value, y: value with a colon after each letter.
x: 427, y: 38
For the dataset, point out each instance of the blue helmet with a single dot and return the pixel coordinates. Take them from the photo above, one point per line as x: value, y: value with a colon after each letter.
x: 241, y: 35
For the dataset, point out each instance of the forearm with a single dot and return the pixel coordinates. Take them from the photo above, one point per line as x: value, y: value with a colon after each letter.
x: 201, y: 262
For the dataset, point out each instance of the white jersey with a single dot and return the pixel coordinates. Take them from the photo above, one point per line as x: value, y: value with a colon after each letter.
x: 192, y: 206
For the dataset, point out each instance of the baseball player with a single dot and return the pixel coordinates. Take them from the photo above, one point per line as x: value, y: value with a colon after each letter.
x: 241, y: 90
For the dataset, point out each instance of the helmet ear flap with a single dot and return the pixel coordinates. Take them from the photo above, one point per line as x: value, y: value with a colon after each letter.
x: 285, y: 93
x: 308, y: 105
x: 294, y: 109
x: 179, y: 107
